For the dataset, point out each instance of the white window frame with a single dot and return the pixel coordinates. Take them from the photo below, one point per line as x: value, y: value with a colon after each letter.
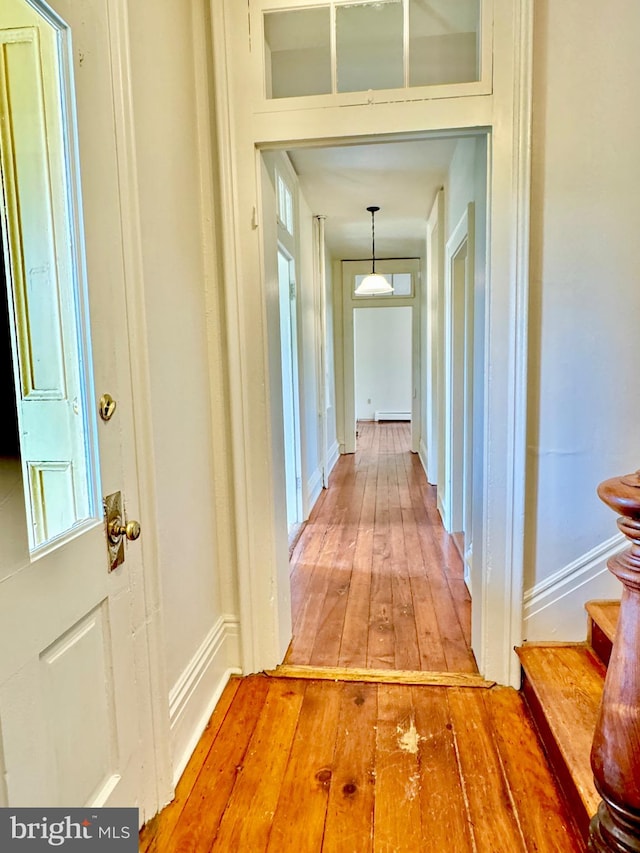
x: 258, y: 8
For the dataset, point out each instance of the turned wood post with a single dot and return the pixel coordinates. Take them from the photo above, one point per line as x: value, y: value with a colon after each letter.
x: 615, y: 755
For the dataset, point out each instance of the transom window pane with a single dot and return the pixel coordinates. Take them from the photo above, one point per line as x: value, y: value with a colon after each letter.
x: 369, y: 46
x: 375, y: 45
x: 402, y: 284
x: 285, y: 205
x: 298, y: 52
x: 443, y: 42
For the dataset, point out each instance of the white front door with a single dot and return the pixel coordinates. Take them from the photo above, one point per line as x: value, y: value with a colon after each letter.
x: 72, y: 661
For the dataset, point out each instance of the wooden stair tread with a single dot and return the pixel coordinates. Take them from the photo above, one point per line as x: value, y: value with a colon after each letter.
x: 605, y: 615
x: 567, y: 681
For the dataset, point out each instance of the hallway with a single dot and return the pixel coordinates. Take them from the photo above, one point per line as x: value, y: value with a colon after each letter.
x: 376, y: 582
x: 348, y: 762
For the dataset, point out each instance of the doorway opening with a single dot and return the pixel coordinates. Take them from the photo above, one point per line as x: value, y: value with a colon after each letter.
x: 382, y: 363
x: 377, y: 581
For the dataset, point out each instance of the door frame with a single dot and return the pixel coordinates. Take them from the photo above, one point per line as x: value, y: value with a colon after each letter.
x: 242, y: 131
x: 458, y: 330
x: 292, y: 337
x: 350, y: 303
x: 431, y: 326
x: 153, y: 693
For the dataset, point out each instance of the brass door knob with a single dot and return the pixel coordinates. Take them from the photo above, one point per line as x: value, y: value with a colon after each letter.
x: 117, y: 530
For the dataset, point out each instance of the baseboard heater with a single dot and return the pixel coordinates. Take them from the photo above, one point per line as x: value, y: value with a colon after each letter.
x: 392, y: 416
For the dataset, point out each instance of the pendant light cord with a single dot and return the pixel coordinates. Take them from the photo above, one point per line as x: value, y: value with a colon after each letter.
x: 373, y: 211
x: 373, y: 241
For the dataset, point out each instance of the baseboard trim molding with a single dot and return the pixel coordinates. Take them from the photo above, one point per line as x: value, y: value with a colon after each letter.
x: 332, y: 457
x: 314, y: 488
x: 422, y: 456
x: 554, y: 608
x: 197, y: 691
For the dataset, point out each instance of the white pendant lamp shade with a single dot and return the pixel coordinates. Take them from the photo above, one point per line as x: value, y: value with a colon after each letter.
x: 373, y: 284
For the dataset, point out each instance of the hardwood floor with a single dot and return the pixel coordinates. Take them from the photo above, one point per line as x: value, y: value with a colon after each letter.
x: 376, y: 582
x: 291, y: 765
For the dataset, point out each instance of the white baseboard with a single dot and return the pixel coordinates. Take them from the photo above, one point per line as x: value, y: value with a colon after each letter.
x: 422, y: 456
x: 554, y: 608
x: 332, y: 457
x: 441, y: 509
x: 314, y: 488
x: 391, y: 416
x: 197, y: 691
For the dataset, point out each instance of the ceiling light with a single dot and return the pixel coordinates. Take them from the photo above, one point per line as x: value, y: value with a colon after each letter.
x: 373, y: 284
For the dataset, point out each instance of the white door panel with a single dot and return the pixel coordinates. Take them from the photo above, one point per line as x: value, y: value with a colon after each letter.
x: 69, y: 662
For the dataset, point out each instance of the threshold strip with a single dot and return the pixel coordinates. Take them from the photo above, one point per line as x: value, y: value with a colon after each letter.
x: 382, y: 676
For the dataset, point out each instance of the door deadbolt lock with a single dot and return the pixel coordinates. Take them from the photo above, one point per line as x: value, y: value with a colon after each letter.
x: 107, y: 407
x: 118, y: 529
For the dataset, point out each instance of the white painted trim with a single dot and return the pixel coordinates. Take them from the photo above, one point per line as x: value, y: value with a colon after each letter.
x: 198, y: 689
x: 332, y: 457
x: 392, y: 416
x: 151, y: 665
x: 554, y: 608
x: 576, y: 573
x: 506, y: 319
x: 248, y: 387
x: 432, y: 337
x: 422, y: 456
x: 462, y: 237
x: 320, y: 301
x: 349, y: 302
x: 506, y: 114
x: 313, y: 490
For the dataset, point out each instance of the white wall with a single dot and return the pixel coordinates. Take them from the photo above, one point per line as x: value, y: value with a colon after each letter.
x: 332, y: 363
x: 382, y: 360
x: 309, y: 321
x: 309, y: 330
x: 199, y: 607
x: 584, y: 407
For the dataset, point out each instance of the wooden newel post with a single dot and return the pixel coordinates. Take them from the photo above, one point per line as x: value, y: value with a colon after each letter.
x: 615, y: 755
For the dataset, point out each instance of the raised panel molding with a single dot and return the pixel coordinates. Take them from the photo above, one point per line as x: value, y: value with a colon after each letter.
x: 196, y: 693
x: 554, y: 608
x: 78, y: 696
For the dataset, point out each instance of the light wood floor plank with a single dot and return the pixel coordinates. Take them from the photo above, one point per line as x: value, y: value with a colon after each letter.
x: 297, y: 767
x: 155, y: 835
x: 209, y: 796
x: 298, y: 822
x: 349, y: 823
x: 445, y: 818
x: 376, y: 581
x: 246, y: 823
x: 492, y: 815
x: 542, y: 812
x: 397, y: 816
x: 353, y: 645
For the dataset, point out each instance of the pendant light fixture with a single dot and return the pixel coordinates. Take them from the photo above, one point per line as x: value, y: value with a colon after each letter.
x: 373, y: 284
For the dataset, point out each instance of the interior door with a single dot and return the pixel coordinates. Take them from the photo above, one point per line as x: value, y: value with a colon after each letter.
x: 71, y: 658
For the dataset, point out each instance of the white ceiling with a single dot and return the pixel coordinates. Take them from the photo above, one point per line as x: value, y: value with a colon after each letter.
x: 402, y: 178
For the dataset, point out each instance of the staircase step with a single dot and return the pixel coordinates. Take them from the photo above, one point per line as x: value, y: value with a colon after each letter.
x: 562, y: 685
x: 603, y: 618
